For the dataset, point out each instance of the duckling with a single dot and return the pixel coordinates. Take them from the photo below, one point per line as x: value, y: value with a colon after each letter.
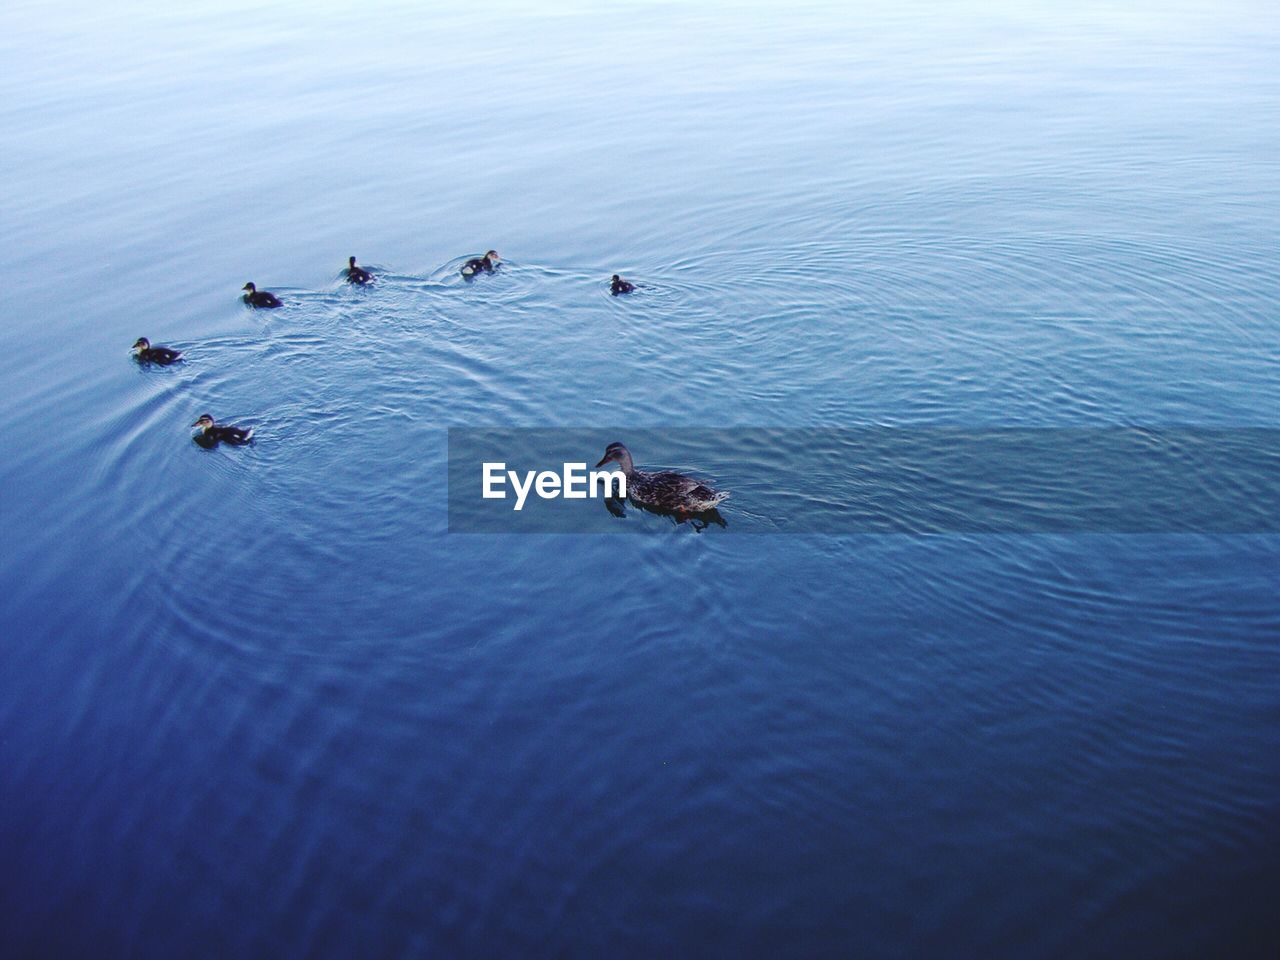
x: 260, y: 298
x: 618, y: 285
x: 357, y: 275
x: 485, y: 264
x: 146, y: 353
x: 211, y: 434
x: 667, y: 490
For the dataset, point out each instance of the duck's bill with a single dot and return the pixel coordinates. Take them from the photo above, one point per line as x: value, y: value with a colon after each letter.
x: 602, y: 462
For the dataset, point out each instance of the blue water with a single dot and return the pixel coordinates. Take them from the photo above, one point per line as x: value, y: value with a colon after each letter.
x: 260, y: 702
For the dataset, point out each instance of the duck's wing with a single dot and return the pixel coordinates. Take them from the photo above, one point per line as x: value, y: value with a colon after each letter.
x: 234, y: 435
x: 669, y: 488
x: 678, y: 482
x: 679, y: 492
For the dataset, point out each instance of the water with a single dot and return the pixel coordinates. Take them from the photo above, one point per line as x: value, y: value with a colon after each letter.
x: 260, y: 701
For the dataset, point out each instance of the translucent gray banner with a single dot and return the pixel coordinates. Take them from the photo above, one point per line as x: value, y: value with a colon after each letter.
x: 880, y: 480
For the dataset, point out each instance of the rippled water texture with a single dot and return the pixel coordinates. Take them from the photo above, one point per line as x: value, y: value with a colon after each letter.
x: 259, y: 701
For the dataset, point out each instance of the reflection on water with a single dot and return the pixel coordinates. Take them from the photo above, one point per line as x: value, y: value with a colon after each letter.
x: 260, y: 699
x: 698, y: 522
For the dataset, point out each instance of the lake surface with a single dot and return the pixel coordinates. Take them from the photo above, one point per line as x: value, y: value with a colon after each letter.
x: 262, y: 702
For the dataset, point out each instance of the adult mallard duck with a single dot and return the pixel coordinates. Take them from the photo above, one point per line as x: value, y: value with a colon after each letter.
x: 146, y: 353
x: 357, y: 275
x: 485, y: 264
x: 211, y: 434
x: 665, y: 490
x: 259, y: 298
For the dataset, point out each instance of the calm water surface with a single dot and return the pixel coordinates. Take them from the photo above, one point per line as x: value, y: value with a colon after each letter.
x: 260, y: 702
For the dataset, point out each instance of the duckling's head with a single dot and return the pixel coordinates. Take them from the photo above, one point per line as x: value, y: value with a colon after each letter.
x: 617, y: 453
x: 250, y: 287
x: 351, y: 262
x: 616, y: 279
x: 492, y: 257
x: 204, y: 423
x: 142, y: 343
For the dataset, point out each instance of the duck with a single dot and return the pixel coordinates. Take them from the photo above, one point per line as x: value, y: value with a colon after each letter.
x: 667, y: 490
x: 617, y: 285
x: 211, y: 434
x: 485, y: 264
x: 260, y: 298
x: 356, y: 274
x: 146, y: 353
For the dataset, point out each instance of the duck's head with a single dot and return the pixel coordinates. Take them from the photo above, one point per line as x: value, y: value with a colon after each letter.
x: 616, y: 279
x: 493, y: 258
x: 250, y: 287
x: 142, y: 343
x: 351, y: 262
x: 204, y: 423
x: 616, y: 453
